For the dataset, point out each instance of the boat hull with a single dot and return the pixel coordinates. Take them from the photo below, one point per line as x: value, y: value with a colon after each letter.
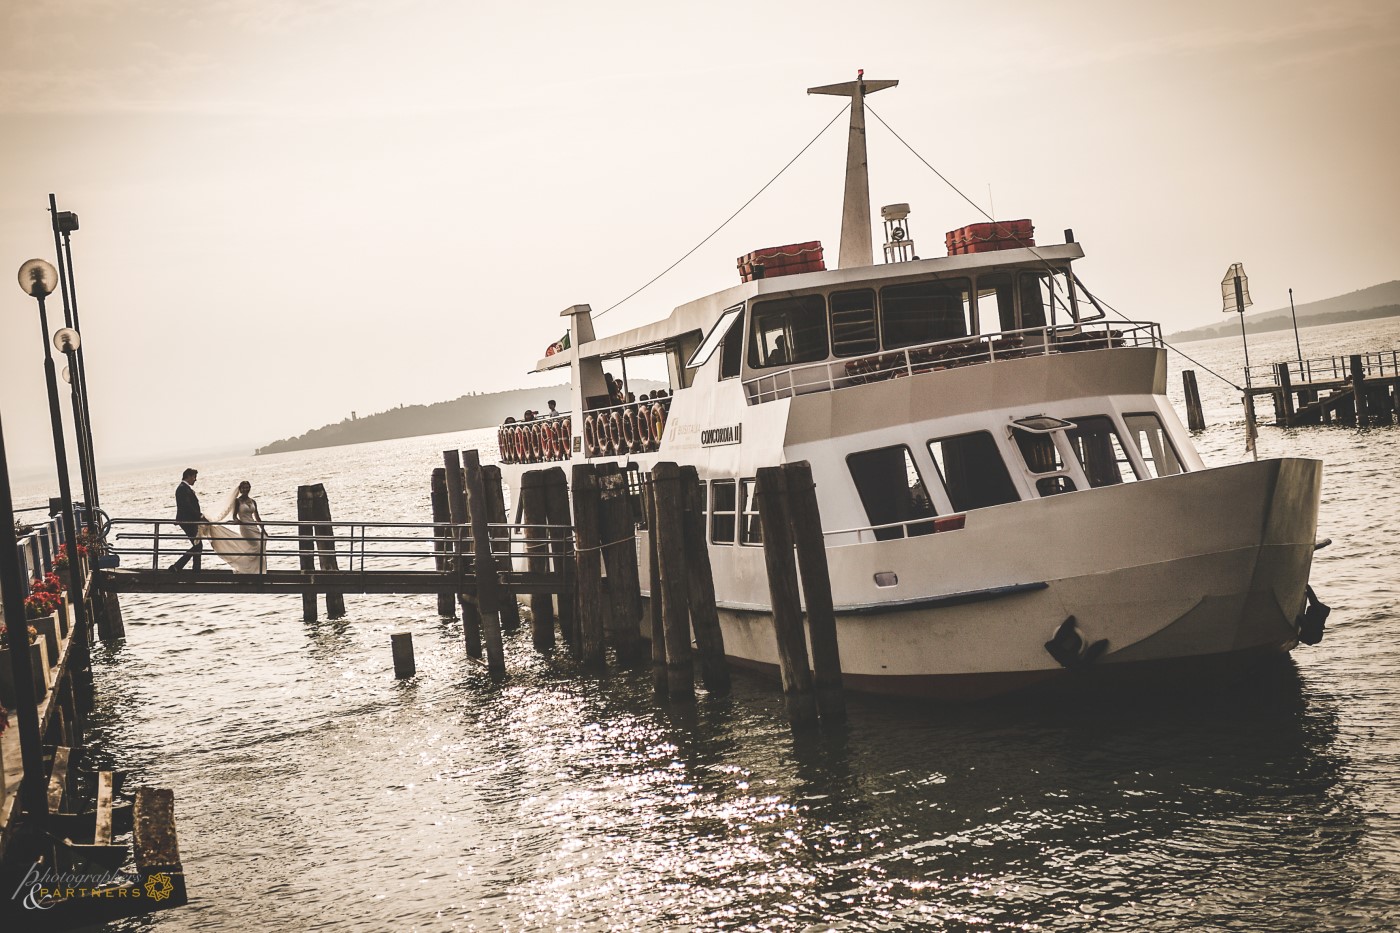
x: 1214, y: 568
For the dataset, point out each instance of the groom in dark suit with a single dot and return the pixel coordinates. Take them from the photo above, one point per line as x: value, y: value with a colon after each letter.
x: 188, y: 514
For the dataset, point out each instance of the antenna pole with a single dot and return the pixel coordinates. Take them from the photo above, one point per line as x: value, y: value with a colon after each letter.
x: 1296, y: 342
x: 857, y: 248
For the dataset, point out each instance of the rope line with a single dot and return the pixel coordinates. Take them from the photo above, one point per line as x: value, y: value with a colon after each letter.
x: 989, y: 217
x: 728, y: 219
x: 601, y: 547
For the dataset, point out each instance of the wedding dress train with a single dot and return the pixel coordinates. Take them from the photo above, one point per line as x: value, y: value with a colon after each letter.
x: 243, y: 546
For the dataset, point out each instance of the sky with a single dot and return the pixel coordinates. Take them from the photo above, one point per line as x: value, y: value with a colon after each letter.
x: 293, y: 211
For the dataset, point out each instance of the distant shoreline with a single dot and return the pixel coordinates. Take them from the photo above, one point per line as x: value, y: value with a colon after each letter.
x: 1273, y: 322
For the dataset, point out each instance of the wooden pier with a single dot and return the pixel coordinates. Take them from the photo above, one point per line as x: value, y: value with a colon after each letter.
x: 1361, y: 389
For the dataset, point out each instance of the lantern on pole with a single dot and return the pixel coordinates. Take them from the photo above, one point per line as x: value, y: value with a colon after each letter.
x: 1234, y: 294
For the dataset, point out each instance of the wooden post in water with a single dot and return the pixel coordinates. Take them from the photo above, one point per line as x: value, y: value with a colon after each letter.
x: 536, y: 510
x: 589, y: 564
x: 654, y: 600
x: 1195, y: 418
x: 306, y: 548
x: 457, y: 508
x: 1358, y: 390
x: 704, y: 611
x: 496, y: 507
x: 806, y: 522
x: 1287, y: 414
x: 442, y: 530
x: 488, y: 586
x: 402, y: 646
x: 556, y: 499
x: 773, y: 512
x: 325, y: 547
x: 619, y: 535
x: 675, y: 584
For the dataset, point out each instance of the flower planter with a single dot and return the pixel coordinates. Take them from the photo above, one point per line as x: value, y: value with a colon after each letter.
x: 39, y: 668
x: 48, y: 627
x: 7, y: 680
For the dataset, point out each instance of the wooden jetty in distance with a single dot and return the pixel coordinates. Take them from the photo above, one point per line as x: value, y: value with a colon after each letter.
x: 1361, y: 389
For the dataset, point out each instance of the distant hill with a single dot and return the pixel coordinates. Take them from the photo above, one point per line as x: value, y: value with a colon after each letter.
x: 460, y: 414
x: 1376, y: 301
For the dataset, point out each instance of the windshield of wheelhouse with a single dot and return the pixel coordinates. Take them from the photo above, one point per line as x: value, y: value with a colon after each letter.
x: 788, y: 330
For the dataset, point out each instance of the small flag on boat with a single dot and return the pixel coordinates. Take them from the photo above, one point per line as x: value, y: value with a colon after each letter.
x: 559, y: 346
x: 1234, y: 289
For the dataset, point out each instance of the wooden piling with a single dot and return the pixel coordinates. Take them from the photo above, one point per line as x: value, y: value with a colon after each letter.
x: 488, y: 586
x: 557, y: 514
x: 402, y: 645
x: 675, y: 583
x: 704, y: 610
x: 1195, y: 418
x: 1287, y: 414
x: 496, y: 506
x: 773, y: 512
x: 442, y: 530
x: 654, y: 600
x: 619, y: 535
x: 325, y: 547
x: 1358, y: 390
x: 461, y: 562
x: 535, y: 510
x: 306, y: 548
x: 589, y: 606
x: 806, y: 522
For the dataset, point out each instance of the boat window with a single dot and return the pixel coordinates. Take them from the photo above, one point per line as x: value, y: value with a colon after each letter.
x: 1042, y: 291
x: 714, y: 337
x: 722, y: 511
x: 891, y: 490
x: 973, y: 473
x: 1146, y: 432
x: 996, y: 310
x: 1042, y: 455
x: 788, y: 330
x: 923, y: 312
x: 853, y: 330
x: 731, y: 355
x: 750, y: 528
x: 1100, y: 451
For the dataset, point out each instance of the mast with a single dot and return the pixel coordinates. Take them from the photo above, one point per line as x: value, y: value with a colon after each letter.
x: 856, y: 246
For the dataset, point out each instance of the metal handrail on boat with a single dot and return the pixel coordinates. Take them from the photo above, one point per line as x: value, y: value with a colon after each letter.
x: 359, y: 544
x: 911, y: 528
x: 830, y: 375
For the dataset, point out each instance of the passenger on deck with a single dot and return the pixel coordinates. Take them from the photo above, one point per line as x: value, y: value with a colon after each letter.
x: 529, y: 415
x: 553, y: 411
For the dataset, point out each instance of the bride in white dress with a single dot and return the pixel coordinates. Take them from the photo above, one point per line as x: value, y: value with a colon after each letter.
x: 243, y: 544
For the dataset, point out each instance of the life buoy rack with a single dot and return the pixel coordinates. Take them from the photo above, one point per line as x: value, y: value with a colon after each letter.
x: 658, y: 423
x: 590, y: 436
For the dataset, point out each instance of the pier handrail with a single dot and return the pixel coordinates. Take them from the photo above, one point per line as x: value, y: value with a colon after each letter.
x: 1375, y: 364
x: 832, y: 374
x: 363, y: 545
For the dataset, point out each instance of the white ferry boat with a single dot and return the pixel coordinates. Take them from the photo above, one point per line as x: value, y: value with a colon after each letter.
x: 1008, y: 498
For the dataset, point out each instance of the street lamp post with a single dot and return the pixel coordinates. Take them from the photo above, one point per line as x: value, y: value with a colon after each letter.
x: 64, y: 223
x: 38, y: 278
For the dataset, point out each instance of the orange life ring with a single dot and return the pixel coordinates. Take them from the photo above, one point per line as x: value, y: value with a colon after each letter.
x: 615, y: 433
x: 535, y: 445
x: 629, y: 430
x: 548, y: 441
x: 658, y: 422
x: 515, y: 443
x: 590, y: 437
x: 566, y: 437
x: 522, y: 443
x: 501, y: 444
x: 644, y: 426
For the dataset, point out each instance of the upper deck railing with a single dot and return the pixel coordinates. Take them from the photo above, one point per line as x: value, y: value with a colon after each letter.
x: 830, y: 375
x: 1375, y: 365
